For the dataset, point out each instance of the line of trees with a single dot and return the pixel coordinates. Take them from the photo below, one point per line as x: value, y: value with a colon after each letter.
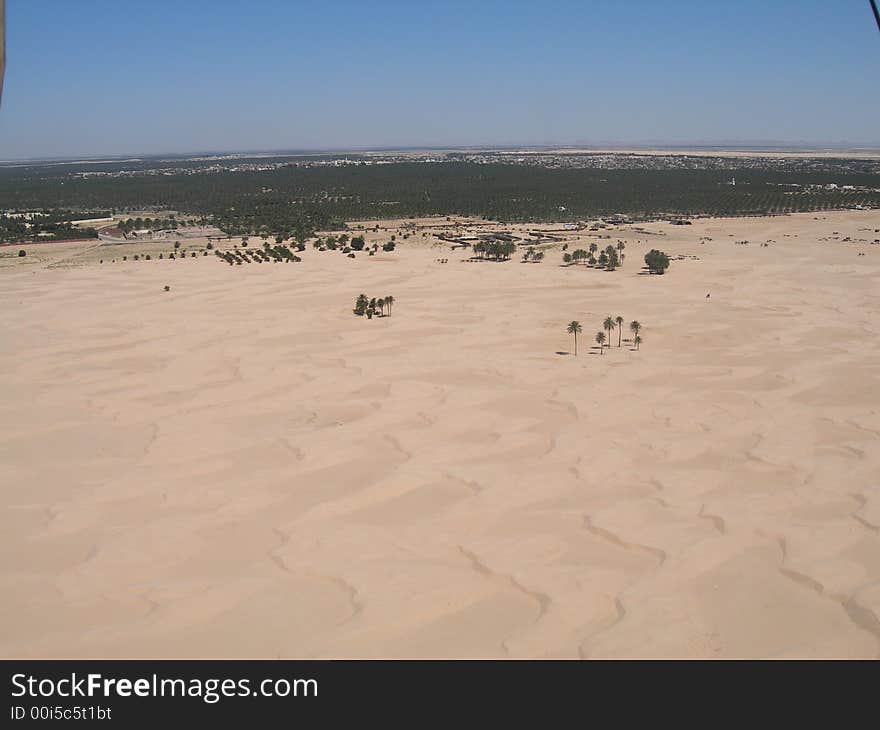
x: 152, y: 224
x: 494, y: 250
x: 609, y: 258
x: 278, y: 253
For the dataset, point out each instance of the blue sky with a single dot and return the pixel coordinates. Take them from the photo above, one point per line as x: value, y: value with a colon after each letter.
x: 96, y: 77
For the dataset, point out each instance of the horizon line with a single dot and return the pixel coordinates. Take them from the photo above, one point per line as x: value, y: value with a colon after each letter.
x: 729, y: 146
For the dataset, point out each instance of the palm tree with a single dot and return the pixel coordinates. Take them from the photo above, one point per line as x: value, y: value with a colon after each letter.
x: 635, y: 326
x: 619, y: 321
x: 638, y: 340
x: 593, y: 248
x: 389, y: 300
x: 573, y: 328
x: 609, y: 325
x: 600, y: 338
x: 381, y: 304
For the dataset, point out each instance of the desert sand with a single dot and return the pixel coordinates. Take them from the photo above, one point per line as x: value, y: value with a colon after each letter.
x: 240, y: 467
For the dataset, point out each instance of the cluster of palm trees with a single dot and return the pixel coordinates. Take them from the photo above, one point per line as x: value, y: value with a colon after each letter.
x: 366, y: 306
x: 533, y: 256
x: 609, y: 325
x: 609, y: 258
x: 495, y: 250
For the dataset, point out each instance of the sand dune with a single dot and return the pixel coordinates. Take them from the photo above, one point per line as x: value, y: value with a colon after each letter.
x: 241, y: 467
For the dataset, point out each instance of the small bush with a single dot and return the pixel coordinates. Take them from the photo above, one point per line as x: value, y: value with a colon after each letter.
x: 22, y: 253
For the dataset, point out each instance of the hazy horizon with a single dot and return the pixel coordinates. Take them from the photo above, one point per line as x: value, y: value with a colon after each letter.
x: 210, y: 78
x: 595, y: 147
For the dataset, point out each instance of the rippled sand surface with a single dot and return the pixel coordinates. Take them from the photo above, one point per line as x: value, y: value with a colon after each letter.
x: 241, y: 467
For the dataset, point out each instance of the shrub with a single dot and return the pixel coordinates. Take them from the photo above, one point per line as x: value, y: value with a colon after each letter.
x: 167, y: 288
x: 22, y: 253
x: 388, y: 246
x: 357, y: 243
x: 657, y: 261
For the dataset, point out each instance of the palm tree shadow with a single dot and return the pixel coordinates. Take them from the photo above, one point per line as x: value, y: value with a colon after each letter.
x: 562, y: 352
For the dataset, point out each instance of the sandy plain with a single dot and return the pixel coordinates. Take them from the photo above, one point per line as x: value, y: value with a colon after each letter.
x: 241, y: 467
